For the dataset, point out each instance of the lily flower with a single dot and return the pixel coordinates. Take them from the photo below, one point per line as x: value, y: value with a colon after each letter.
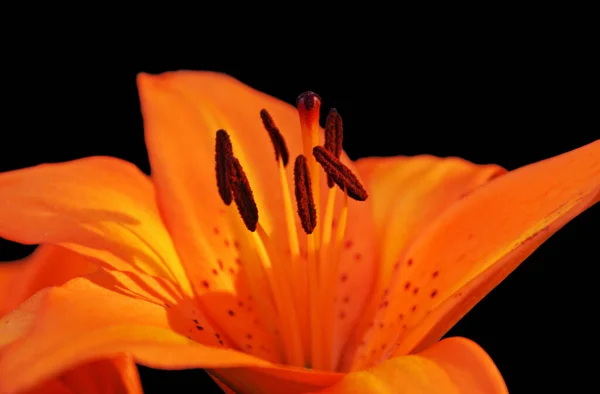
x: 258, y: 251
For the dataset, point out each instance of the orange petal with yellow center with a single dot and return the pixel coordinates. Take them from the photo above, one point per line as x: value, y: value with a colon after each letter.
x: 182, y: 112
x: 101, y: 207
x: 408, y: 194
x: 116, y: 375
x: 48, y: 265
x: 478, y: 241
x: 452, y: 366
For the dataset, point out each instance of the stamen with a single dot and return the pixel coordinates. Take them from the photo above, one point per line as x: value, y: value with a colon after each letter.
x: 333, y: 269
x: 242, y: 194
x: 334, y: 135
x: 308, y: 218
x: 293, y: 272
x: 223, y: 154
x: 276, y: 137
x: 341, y: 174
x: 304, y: 196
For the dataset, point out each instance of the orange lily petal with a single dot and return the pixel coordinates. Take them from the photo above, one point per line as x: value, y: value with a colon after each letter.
x: 481, y: 239
x: 51, y: 265
x: 182, y: 112
x: 454, y: 365
x: 101, y: 207
x: 48, y: 265
x: 408, y: 194
x: 116, y: 374
x: 60, y: 328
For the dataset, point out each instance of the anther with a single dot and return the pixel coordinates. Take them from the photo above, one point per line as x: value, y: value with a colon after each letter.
x: 276, y: 137
x: 334, y: 135
x: 223, y: 154
x: 340, y: 174
x: 242, y: 194
x: 304, y: 197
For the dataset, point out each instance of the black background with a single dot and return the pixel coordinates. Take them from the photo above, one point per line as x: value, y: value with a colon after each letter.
x: 495, y: 99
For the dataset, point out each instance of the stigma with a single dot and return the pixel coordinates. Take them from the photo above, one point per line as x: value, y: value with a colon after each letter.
x: 300, y: 285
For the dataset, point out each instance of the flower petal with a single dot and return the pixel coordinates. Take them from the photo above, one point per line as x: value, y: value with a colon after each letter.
x: 81, y: 322
x: 477, y: 242
x: 51, y: 265
x: 276, y: 379
x: 101, y: 207
x: 454, y: 365
x: 182, y: 112
x: 117, y: 374
x: 60, y: 328
x: 48, y: 265
x: 408, y: 194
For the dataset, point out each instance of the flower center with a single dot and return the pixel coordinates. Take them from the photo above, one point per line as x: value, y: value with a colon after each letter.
x: 303, y: 292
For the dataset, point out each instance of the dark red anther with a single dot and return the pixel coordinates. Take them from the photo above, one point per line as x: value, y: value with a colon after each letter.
x: 340, y: 174
x: 223, y: 154
x: 334, y: 136
x: 304, y: 197
x: 276, y: 137
x: 242, y: 194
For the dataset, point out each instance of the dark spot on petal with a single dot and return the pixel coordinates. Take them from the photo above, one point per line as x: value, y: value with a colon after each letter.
x: 433, y: 293
x: 220, y: 264
x: 435, y: 274
x: 226, y: 243
x: 231, y: 313
x: 240, y: 303
x: 344, y: 277
x: 346, y: 299
x: 410, y: 262
x: 407, y: 286
x: 216, y: 230
x: 348, y: 244
x: 357, y: 256
x: 195, y: 321
x: 214, y: 271
x: 199, y: 328
x: 205, y: 284
x: 416, y: 290
x: 249, y: 336
x: 414, y: 308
